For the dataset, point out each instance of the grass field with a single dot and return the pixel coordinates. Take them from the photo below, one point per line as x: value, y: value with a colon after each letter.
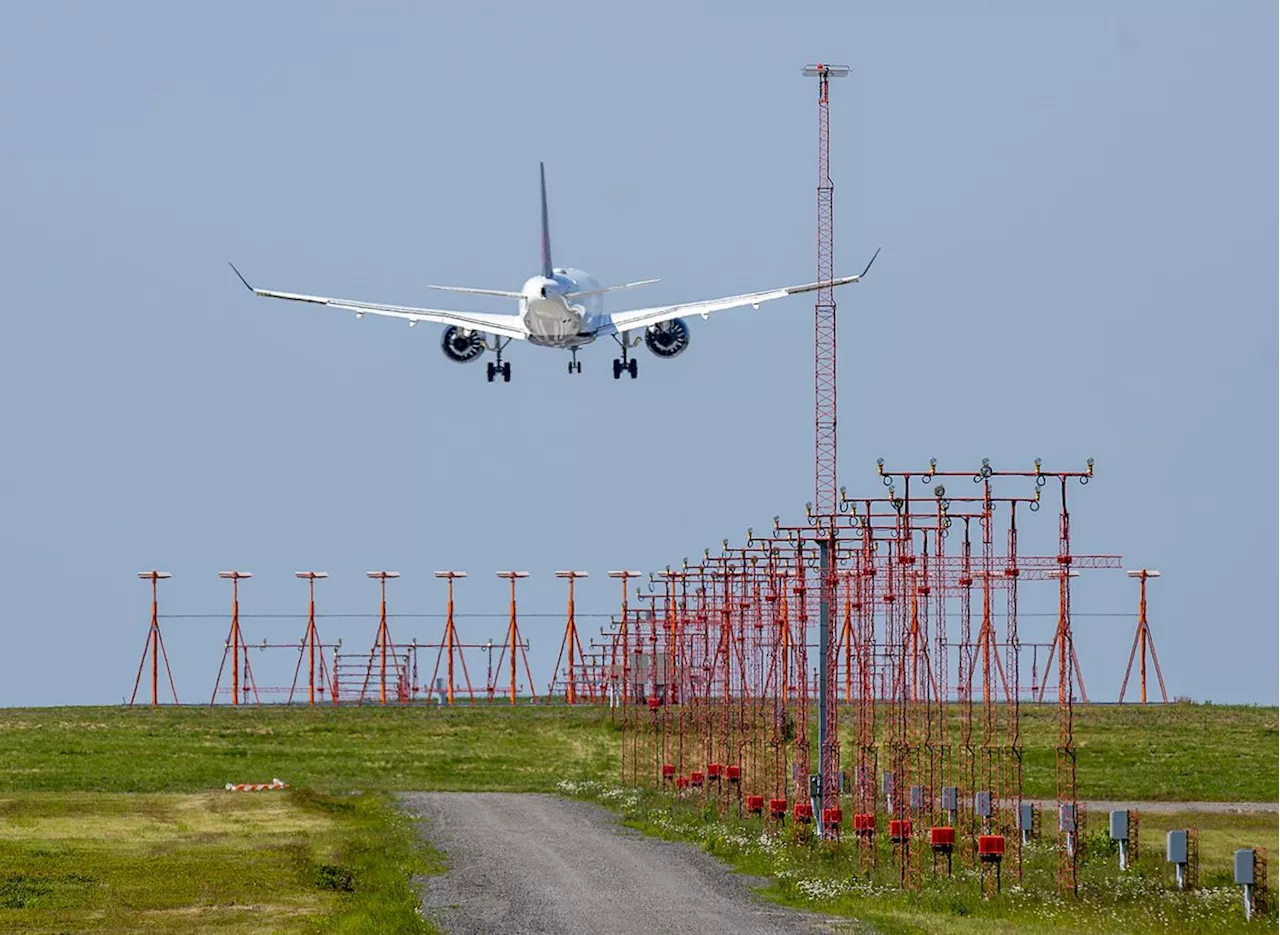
x: 115, y: 820
x: 206, y: 862
x: 329, y: 749
x: 821, y: 876
x: 1176, y: 753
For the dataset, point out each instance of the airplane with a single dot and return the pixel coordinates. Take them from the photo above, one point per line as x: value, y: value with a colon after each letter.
x: 562, y: 308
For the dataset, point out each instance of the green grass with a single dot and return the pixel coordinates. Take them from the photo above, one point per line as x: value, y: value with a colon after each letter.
x: 819, y: 876
x: 115, y: 820
x: 1179, y: 752
x: 220, y: 862
x: 369, y: 748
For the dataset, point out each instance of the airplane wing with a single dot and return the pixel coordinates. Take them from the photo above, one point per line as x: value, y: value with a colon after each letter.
x: 506, y: 326
x: 646, y: 317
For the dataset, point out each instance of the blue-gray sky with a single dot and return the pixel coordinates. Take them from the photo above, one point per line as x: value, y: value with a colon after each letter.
x: 1077, y: 207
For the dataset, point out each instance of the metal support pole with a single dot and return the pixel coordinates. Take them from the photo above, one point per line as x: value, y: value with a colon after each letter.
x: 235, y: 644
x: 384, y: 636
x: 311, y: 641
x: 571, y: 644
x: 154, y: 645
x: 624, y: 576
x: 824, y: 664
x: 513, y: 638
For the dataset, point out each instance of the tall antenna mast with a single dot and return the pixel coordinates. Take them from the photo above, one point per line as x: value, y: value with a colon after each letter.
x: 824, y: 459
x: 824, y: 316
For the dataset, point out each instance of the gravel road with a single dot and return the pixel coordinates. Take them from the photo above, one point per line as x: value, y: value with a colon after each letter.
x: 539, y: 863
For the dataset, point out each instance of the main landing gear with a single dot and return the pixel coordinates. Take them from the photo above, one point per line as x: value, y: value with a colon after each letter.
x: 575, y: 365
x: 499, y: 367
x: 625, y: 363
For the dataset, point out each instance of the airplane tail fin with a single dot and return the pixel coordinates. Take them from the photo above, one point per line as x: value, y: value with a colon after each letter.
x: 546, y: 225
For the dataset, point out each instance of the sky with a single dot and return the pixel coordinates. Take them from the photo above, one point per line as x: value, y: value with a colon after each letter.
x: 1076, y: 205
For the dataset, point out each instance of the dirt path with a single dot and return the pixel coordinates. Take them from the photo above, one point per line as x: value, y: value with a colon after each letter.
x: 538, y: 863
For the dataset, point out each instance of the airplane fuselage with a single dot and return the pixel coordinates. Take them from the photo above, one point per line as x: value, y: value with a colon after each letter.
x: 553, y: 317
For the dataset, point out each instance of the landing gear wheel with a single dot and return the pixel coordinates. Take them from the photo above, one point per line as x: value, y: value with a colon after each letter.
x: 617, y: 368
x: 506, y: 372
x: 578, y: 366
x: 571, y: 366
x: 633, y: 368
x: 491, y: 371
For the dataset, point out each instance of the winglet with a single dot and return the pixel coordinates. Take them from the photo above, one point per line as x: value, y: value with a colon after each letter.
x: 546, y: 226
x: 869, y: 262
x: 241, y: 278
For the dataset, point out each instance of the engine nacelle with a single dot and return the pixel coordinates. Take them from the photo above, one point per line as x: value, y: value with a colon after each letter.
x: 667, y: 339
x: 460, y: 345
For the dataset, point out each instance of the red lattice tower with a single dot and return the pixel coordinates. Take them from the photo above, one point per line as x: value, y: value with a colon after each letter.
x: 824, y: 313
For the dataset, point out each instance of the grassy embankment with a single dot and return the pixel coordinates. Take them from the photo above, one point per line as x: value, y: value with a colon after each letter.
x: 114, y: 820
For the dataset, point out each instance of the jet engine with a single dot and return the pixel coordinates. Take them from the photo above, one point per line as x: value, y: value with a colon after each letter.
x: 460, y: 345
x: 667, y: 339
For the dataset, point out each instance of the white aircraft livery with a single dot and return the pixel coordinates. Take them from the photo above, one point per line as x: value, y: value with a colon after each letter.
x: 561, y: 308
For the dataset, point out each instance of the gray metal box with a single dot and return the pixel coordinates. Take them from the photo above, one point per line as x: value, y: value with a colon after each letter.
x: 949, y: 797
x: 815, y: 786
x: 1026, y: 816
x: 917, y: 797
x: 982, y: 804
x: 1120, y: 824
x: 1067, y: 817
x: 1244, y: 867
x: 1175, y: 847
x: 887, y: 784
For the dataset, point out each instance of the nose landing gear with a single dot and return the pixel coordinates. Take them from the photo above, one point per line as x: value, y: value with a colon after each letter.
x: 575, y: 365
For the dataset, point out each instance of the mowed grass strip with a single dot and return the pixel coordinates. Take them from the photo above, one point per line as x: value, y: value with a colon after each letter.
x: 1180, y: 752
x: 208, y: 862
x: 368, y: 748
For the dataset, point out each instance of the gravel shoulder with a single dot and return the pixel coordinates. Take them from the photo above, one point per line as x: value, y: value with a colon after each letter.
x: 523, y: 864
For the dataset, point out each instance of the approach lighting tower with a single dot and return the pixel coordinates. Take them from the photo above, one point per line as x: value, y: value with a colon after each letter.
x: 824, y: 320
x: 154, y: 645
x: 1142, y: 640
x: 383, y: 643
x: 311, y: 646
